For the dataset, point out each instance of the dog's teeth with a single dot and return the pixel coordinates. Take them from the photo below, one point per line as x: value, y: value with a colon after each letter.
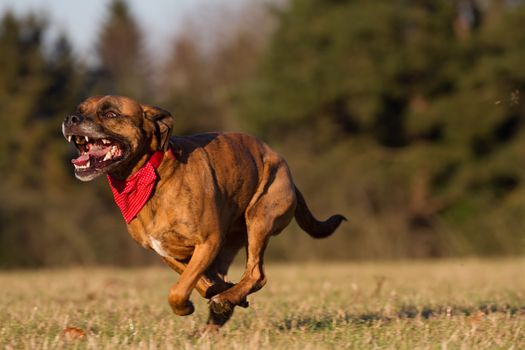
x: 105, y: 141
x: 85, y: 166
x: 88, y: 164
x: 107, y: 156
x: 87, y: 138
x: 69, y: 138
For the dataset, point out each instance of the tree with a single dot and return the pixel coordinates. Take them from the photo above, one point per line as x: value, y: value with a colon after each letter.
x: 405, y: 96
x: 355, y: 65
x: 123, y: 66
x: 200, y: 77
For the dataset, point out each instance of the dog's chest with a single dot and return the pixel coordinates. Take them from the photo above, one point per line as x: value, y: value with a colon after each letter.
x: 167, y: 235
x: 171, y: 245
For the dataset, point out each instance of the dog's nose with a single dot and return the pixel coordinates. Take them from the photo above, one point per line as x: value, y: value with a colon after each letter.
x: 73, y: 119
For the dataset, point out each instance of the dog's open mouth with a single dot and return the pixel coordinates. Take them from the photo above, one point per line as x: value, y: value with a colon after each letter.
x: 95, y: 154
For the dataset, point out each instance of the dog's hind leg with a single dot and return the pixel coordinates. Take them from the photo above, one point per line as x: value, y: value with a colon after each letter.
x: 269, y: 212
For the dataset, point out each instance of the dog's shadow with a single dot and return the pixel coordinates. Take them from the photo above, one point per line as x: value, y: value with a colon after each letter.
x: 331, y: 320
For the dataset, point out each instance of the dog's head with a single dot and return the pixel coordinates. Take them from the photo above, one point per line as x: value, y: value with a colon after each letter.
x: 114, y: 134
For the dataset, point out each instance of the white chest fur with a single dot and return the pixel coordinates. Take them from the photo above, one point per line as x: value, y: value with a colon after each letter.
x: 156, y: 245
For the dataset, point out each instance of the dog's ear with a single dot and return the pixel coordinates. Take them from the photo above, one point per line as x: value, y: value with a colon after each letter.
x: 163, y: 122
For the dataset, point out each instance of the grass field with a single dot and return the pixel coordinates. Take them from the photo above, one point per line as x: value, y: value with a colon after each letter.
x: 454, y: 304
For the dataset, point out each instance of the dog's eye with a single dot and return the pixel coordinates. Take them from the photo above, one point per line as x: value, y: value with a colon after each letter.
x: 110, y: 114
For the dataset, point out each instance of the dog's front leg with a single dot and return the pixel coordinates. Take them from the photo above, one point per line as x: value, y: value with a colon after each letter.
x: 179, y: 295
x: 202, y: 284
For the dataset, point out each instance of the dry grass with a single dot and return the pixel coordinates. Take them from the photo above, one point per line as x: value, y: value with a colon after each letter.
x: 463, y: 304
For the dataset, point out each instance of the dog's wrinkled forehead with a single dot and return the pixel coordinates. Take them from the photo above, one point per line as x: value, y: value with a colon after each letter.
x: 98, y: 105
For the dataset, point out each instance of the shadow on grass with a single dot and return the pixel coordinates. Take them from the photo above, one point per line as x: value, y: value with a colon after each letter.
x: 330, y: 321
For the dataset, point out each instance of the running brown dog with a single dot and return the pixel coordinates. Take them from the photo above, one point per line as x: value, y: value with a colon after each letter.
x: 195, y: 200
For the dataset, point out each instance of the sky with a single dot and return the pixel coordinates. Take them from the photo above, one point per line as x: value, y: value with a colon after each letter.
x: 160, y: 20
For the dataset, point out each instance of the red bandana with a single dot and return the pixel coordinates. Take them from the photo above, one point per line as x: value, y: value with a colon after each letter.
x: 131, y: 194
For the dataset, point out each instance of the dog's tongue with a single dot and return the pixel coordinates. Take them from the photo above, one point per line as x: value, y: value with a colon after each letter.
x: 82, y: 160
x: 94, y: 152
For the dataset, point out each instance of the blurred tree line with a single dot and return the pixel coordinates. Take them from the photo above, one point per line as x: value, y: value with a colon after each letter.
x: 403, y: 115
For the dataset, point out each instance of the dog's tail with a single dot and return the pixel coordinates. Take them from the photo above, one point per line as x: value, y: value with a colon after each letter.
x: 315, y: 228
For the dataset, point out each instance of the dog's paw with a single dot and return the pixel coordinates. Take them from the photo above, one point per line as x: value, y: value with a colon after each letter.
x: 220, y: 312
x: 184, y: 309
x: 220, y: 306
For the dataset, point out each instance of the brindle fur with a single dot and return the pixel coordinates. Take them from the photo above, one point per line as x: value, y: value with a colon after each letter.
x: 220, y: 192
